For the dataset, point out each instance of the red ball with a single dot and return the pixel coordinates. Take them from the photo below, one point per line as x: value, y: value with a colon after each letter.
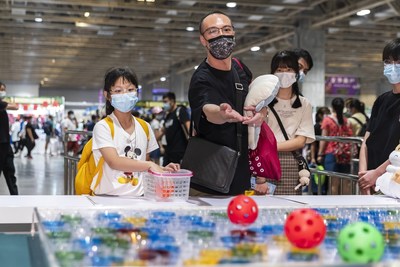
x: 305, y: 228
x: 242, y: 210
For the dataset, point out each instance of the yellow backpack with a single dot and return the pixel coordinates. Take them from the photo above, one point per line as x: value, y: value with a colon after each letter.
x: 87, y: 168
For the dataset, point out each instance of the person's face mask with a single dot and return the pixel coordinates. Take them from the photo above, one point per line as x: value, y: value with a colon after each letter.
x: 221, y: 47
x: 392, y: 73
x: 302, y: 75
x: 3, y: 94
x: 286, y: 79
x: 167, y: 106
x: 124, y: 102
x: 72, y: 116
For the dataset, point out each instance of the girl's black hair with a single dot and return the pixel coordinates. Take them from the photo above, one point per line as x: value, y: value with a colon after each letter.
x: 338, y: 106
x: 287, y: 59
x: 392, y: 50
x: 110, y: 78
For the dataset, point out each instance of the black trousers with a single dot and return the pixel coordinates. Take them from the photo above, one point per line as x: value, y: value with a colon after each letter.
x: 7, y: 167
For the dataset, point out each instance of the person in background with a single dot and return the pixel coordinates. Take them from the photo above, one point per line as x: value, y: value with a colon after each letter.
x: 176, y: 129
x: 383, y: 130
x: 15, y: 129
x: 155, y: 123
x: 305, y: 63
x: 335, y: 125
x: 357, y: 117
x: 126, y: 154
x: 295, y: 112
x: 7, y: 155
x: 91, y: 123
x: 212, y: 98
x: 322, y: 112
x: 71, y: 124
x: 48, y: 129
x: 30, y: 137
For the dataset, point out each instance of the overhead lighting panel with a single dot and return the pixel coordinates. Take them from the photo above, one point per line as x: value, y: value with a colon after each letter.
x: 363, y: 12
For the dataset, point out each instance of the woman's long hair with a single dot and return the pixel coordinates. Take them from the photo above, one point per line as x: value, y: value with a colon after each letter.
x: 338, y: 106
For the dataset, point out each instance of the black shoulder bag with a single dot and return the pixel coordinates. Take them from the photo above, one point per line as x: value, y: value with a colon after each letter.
x: 214, y: 165
x: 301, y: 161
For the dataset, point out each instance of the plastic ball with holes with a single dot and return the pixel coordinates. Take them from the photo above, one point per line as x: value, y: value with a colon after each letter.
x: 360, y: 242
x: 305, y: 228
x: 242, y: 210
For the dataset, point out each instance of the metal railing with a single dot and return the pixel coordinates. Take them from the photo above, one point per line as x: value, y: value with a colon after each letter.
x: 71, y: 162
x: 351, y: 177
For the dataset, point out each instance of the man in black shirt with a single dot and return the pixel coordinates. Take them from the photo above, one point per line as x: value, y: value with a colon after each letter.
x: 6, y: 154
x: 176, y: 128
x: 212, y: 98
x: 383, y: 130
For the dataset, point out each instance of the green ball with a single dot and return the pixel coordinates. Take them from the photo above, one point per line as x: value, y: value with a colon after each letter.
x: 360, y: 243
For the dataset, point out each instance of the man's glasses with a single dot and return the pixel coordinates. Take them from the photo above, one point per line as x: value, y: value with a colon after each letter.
x: 214, y: 31
x: 121, y: 90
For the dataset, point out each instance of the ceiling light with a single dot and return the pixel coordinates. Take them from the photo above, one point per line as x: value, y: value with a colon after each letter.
x: 38, y: 19
x: 86, y: 14
x: 363, y: 12
x: 255, y: 48
x: 140, y: 87
x: 163, y: 79
x: 53, y: 61
x: 81, y: 24
x: 195, y: 67
x: 231, y: 4
x: 190, y: 29
x: 150, y: 1
x: 45, y: 79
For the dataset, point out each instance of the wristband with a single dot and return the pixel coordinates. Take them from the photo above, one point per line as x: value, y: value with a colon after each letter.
x: 253, y: 182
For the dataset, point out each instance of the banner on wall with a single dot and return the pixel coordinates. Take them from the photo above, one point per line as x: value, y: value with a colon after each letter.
x: 37, y: 105
x: 339, y: 84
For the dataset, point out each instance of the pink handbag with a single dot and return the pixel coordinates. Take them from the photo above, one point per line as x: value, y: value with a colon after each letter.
x: 264, y: 160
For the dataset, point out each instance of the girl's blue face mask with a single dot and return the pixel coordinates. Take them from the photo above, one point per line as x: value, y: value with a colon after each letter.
x: 124, y: 102
x: 392, y: 72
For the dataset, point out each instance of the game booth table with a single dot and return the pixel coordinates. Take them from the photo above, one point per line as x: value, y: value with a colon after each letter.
x: 202, y: 231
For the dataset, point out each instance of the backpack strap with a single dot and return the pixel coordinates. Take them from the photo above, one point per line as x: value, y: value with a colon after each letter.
x: 145, y: 127
x: 99, y: 167
x: 111, y: 125
x: 357, y: 120
x: 185, y: 131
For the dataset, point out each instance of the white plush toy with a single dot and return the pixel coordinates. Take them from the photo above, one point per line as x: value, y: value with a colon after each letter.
x: 389, y: 182
x: 262, y: 91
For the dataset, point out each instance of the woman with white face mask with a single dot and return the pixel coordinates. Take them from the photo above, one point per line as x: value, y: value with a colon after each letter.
x: 295, y: 113
x: 126, y: 154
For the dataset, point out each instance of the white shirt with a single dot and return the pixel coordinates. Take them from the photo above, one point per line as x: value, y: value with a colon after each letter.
x: 296, y: 121
x: 15, y: 128
x: 115, y: 182
x: 71, y: 126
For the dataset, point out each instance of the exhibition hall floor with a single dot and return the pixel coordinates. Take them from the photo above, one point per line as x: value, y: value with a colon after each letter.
x: 42, y: 175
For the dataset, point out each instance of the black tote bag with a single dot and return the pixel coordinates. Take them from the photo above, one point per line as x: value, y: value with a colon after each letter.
x: 213, y: 165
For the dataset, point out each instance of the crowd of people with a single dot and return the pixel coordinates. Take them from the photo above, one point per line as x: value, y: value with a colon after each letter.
x: 129, y: 148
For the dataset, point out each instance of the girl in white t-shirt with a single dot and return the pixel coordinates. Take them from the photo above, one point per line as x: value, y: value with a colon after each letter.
x: 126, y: 156
x: 295, y: 112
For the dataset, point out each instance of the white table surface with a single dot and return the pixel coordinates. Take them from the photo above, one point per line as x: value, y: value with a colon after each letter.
x: 345, y: 200
x: 19, y: 209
